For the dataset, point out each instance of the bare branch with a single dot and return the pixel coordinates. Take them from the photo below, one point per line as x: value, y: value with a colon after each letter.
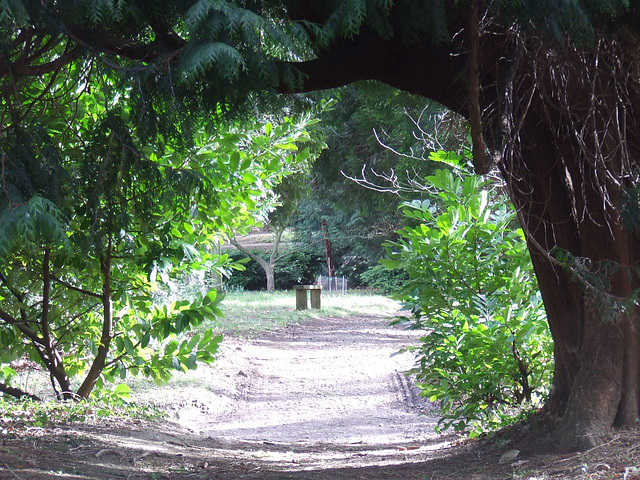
x: 256, y: 258
x: 74, y: 288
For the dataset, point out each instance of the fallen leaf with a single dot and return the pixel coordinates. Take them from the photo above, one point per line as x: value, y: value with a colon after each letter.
x: 508, y: 456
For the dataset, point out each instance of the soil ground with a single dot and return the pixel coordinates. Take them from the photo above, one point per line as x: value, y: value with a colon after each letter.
x: 322, y: 400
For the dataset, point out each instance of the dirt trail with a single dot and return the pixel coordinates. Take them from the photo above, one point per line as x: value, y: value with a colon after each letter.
x: 332, y: 381
x: 324, y: 400
x: 328, y: 393
x: 303, y: 401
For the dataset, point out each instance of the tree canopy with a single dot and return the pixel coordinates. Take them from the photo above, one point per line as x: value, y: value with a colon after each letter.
x: 379, y: 133
x: 79, y: 270
x: 102, y: 200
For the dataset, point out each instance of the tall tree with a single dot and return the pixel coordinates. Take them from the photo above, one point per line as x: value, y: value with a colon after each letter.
x: 550, y: 89
x: 288, y: 193
x: 374, y: 131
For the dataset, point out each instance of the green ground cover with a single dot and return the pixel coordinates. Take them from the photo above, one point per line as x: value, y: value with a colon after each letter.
x: 249, y: 313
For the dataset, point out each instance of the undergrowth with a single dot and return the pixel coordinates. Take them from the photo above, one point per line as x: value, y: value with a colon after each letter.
x: 15, y: 414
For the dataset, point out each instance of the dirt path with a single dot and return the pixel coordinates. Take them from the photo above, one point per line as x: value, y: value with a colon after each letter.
x: 330, y: 381
x: 325, y: 395
x: 324, y: 400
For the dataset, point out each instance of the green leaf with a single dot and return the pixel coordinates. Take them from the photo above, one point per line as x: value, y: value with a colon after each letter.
x: 122, y: 391
x: 191, y: 361
x: 234, y: 161
x: 286, y: 146
x: 176, y: 363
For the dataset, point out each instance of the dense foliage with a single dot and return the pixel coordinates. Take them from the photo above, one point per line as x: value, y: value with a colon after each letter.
x: 298, y: 267
x: 369, y: 125
x: 487, y: 351
x: 384, y: 280
x: 93, y: 217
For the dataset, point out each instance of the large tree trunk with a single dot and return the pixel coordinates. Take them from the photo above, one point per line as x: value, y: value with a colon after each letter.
x: 604, y: 391
x: 596, y: 377
x: 563, y: 127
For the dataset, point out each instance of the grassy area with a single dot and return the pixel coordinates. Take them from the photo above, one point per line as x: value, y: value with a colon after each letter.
x: 21, y: 414
x: 248, y: 313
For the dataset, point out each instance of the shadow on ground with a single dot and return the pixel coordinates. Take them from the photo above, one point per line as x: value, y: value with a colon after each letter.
x: 137, y: 450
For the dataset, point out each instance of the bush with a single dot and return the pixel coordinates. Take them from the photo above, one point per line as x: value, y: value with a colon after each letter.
x: 386, y: 281
x: 487, y: 352
x: 301, y: 267
x: 351, y: 266
x: 298, y: 268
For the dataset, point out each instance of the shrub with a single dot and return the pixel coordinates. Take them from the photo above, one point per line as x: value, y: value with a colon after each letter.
x: 352, y: 266
x: 486, y: 352
x: 301, y: 266
x: 383, y: 279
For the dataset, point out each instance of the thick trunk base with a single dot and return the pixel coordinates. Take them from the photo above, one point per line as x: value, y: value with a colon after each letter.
x: 605, y: 390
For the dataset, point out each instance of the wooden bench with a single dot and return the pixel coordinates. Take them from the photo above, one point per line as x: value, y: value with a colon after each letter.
x: 301, y: 296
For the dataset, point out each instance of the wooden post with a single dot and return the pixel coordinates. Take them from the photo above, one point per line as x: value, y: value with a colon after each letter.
x: 316, y: 296
x: 301, y: 298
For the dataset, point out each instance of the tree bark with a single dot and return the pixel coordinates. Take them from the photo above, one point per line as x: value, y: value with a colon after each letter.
x: 480, y: 161
x: 328, y: 252
x: 51, y: 356
x: 271, y: 281
x: 17, y: 393
x: 596, y: 351
x: 273, y: 259
x: 107, y: 327
x: 629, y: 402
x: 605, y: 389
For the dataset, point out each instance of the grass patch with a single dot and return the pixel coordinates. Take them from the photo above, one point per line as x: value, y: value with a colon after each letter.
x: 16, y: 414
x: 249, y: 313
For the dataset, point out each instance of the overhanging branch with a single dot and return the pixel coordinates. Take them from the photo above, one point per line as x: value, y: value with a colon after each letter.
x: 16, y: 392
x: 41, y: 69
x: 368, y: 57
x: 256, y: 258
